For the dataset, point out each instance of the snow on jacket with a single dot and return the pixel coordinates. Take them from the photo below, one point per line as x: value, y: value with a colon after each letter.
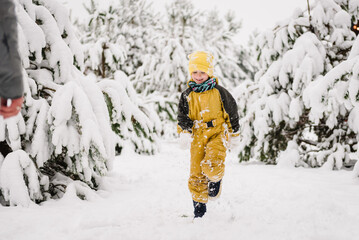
x: 202, y: 107
x: 11, y: 85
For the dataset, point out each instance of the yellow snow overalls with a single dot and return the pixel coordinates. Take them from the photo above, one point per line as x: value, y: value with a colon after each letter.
x: 210, y: 116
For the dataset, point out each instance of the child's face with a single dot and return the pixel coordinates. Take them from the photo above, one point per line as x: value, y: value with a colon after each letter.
x: 199, y: 76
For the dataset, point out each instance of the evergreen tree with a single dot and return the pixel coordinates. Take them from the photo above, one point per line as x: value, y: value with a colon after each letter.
x: 63, y: 135
x: 110, y: 33
x: 246, y: 58
x: 103, y: 50
x: 117, y: 35
x: 163, y: 74
x: 218, y: 38
x: 138, y: 28
x: 303, y: 99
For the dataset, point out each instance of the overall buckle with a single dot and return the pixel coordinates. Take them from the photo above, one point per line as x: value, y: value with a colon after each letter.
x: 210, y: 124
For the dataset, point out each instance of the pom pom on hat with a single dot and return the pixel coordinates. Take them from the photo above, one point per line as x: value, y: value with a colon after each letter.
x: 201, y: 61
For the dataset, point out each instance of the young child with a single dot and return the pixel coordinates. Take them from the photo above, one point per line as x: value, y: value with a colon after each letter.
x: 207, y: 114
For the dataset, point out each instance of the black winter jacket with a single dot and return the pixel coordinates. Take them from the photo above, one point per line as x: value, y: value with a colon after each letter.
x: 190, y: 104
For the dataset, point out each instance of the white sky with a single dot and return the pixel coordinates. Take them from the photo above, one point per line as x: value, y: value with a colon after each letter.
x: 255, y: 14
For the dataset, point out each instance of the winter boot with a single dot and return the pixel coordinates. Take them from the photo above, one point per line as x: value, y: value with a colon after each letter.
x: 214, y: 189
x: 199, y: 209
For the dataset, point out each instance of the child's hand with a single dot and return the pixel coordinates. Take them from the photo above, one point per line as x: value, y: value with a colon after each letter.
x: 10, y: 107
x: 185, y: 140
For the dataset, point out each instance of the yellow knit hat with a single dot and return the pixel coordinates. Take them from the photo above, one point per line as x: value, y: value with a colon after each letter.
x: 202, y: 61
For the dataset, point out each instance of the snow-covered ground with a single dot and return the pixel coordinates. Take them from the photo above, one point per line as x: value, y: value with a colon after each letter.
x: 146, y: 197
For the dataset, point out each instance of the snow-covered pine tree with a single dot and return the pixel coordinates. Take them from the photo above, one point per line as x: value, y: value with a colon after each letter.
x: 302, y: 106
x: 163, y: 74
x: 138, y: 28
x: 64, y: 134
x: 217, y: 36
x: 105, y: 40
x: 129, y: 26
x: 132, y: 120
x: 101, y: 40
x: 246, y: 58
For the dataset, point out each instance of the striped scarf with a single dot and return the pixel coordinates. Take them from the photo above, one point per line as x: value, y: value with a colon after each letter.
x: 202, y: 87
